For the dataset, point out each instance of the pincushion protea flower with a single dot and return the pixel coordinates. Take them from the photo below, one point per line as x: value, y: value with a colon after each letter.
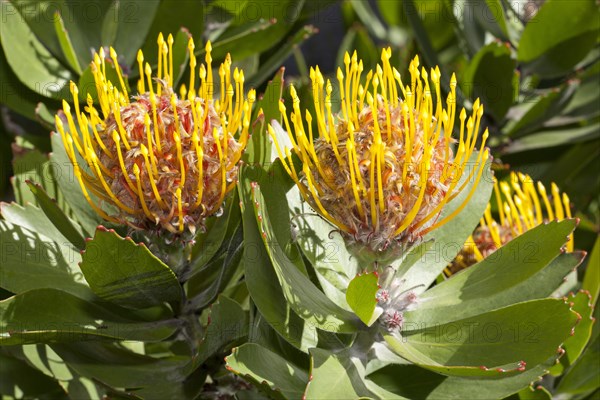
x: 160, y: 159
x: 520, y: 203
x: 383, y: 168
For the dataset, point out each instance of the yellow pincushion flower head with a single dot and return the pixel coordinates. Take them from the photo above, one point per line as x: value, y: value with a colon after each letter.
x: 383, y: 168
x: 162, y: 160
x: 521, y: 205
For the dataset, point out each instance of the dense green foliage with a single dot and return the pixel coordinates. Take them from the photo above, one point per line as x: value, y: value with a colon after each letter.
x: 268, y: 302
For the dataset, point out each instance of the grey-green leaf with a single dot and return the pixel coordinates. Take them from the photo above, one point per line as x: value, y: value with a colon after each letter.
x: 269, y: 369
x: 51, y: 315
x: 31, y: 62
x: 513, y: 338
x: 128, y: 274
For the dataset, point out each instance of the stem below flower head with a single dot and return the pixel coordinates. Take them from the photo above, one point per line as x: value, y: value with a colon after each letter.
x: 364, y: 342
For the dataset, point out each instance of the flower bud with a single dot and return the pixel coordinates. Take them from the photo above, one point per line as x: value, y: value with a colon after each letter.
x: 157, y: 160
x: 383, y: 168
x: 522, y: 205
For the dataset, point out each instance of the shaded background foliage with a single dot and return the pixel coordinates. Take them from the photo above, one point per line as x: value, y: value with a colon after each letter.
x: 535, y: 65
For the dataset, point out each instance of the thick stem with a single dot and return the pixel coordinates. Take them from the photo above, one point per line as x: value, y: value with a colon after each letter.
x: 364, y: 342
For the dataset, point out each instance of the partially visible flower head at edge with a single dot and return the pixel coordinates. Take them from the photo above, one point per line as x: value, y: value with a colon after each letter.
x: 521, y: 203
x: 161, y: 160
x: 383, y: 168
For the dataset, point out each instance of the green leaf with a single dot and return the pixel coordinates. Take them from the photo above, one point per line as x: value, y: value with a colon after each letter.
x: 108, y: 33
x: 6, y: 153
x: 559, y: 36
x: 259, y: 148
x: 431, y: 12
x: 190, y: 388
x: 334, y: 266
x: 228, y: 324
x: 280, y: 20
x: 261, y: 279
x: 128, y: 274
x: 555, y: 137
x: 425, y: 44
x: 512, y: 338
x: 414, y: 382
x: 582, y: 377
x: 65, y: 43
x: 32, y: 165
x: 449, y: 238
x: 509, y: 275
x: 308, y: 10
x: 207, y: 243
x: 19, y: 380
x: 369, y: 19
x: 223, y: 243
x: 302, y: 295
x: 537, y: 393
x: 33, y: 219
x: 181, y: 56
x: 275, y: 183
x: 171, y: 16
x: 234, y: 37
x: 553, y: 66
x: 591, y: 279
x: 63, y: 223
x: 335, y: 376
x: 575, y: 344
x: 263, y: 334
x: 116, y: 366
x: 489, y: 77
x: 32, y: 260
x: 31, y: 62
x: 43, y: 358
x: 270, y: 65
x: 545, y: 107
x: 83, y: 388
x: 35, y: 317
x: 38, y: 16
x: 84, y: 23
x: 231, y: 7
x: 44, y: 116
x: 421, y: 35
x: 493, y: 18
x: 583, y: 103
x: 361, y: 296
x: 267, y: 370
x: 125, y: 27
x: 468, y: 30
x: 572, y: 171
x: 212, y: 279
